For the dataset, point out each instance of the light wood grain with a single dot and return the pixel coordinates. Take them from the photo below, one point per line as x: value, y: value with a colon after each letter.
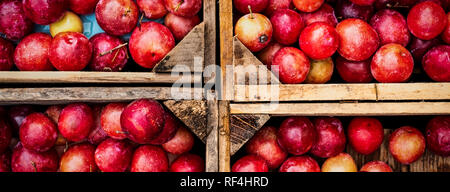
x: 413, y: 91
x: 95, y: 77
x: 430, y: 162
x: 305, y: 92
x: 91, y: 94
x: 212, y: 140
x: 344, y: 109
x: 210, y: 20
x: 224, y: 137
x: 185, y: 53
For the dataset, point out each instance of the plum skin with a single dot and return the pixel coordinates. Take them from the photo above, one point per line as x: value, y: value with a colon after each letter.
x: 300, y: 164
x: 392, y: 63
x: 406, y: 144
x: 436, y: 63
x: 254, y: 31
x: 148, y: 158
x: 250, y: 163
x: 113, y: 155
x: 365, y: 134
x: 38, y: 132
x: 264, y: 144
x: 188, y: 163
x: 117, y: 17
x: 292, y: 65
x: 32, y: 53
x: 296, y: 135
x: 420, y: 24
x: 438, y: 135
x: 330, y: 137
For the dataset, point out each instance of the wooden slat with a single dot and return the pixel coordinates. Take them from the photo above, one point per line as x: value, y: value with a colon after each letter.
x: 188, y: 55
x: 414, y: 91
x: 212, y: 140
x: 339, y: 92
x: 193, y: 113
x: 344, y: 109
x: 95, y: 77
x: 209, y: 18
x: 243, y: 127
x: 305, y: 92
x: 225, y: 86
x: 430, y: 162
x: 92, y: 94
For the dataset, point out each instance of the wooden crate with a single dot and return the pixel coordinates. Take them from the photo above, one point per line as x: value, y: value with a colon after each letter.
x: 246, y: 119
x: 197, y: 47
x: 200, y: 116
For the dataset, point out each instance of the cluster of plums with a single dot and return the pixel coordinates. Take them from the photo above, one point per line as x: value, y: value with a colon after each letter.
x: 70, y: 50
x: 302, y: 40
x: 138, y: 137
x: 325, y: 137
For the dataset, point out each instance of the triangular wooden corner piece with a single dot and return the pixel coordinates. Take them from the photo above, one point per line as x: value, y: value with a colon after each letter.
x: 248, y: 69
x: 242, y: 129
x: 188, y: 55
x: 193, y: 113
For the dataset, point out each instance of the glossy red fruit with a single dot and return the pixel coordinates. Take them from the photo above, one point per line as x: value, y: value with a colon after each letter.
x: 291, y: 65
x: 188, y: 163
x: 392, y: 63
x: 143, y: 120
x: 110, y: 120
x: 113, y: 155
x: 97, y: 134
x: 117, y: 17
x: 436, y: 63
x: 358, y: 40
x: 342, y: 162
x: 321, y: 71
x: 287, y: 26
x: 267, y: 54
x: 363, y: 2
x: 78, y: 158
x: 365, y: 134
x: 6, y: 55
x: 391, y: 27
x: 406, y: 144
x: 38, y: 132
x: 5, y: 134
x: 17, y: 114
x: 277, y: 5
x: 264, y: 144
x: 376, y: 166
x: 330, y: 137
x: 150, y: 43
x: 70, y: 51
x: 149, y: 158
x: 446, y: 33
x: 153, y: 9
x: 257, y: 6
x: 297, y: 135
x: 180, y: 26
x: 24, y: 160
x: 44, y: 12
x: 5, y: 161
x: 83, y: 7
x: 102, y: 60
x: 13, y: 22
x: 324, y: 14
x: 300, y: 164
x: 32, y: 53
x: 250, y: 163
x: 319, y: 40
x: 76, y: 122
x: 169, y: 130
x: 426, y: 20
x: 182, y: 142
x: 346, y: 10
x: 184, y: 8
x: 438, y: 135
x: 308, y: 5
x: 354, y: 71
x: 254, y: 31
x: 419, y: 47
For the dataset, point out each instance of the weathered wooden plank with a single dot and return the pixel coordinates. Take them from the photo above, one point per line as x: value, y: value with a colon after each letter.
x: 224, y: 137
x: 92, y: 94
x: 212, y: 140
x: 209, y: 18
x: 344, y: 109
x: 95, y: 77
x: 430, y: 162
x: 188, y: 55
x: 305, y: 92
x: 413, y: 91
x: 193, y: 113
x: 243, y: 127
x: 248, y: 69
